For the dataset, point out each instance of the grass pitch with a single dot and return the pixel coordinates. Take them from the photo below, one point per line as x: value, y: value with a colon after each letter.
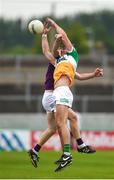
x: 16, y: 165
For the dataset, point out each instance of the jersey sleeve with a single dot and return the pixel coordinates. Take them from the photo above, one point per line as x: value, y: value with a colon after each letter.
x: 74, y: 54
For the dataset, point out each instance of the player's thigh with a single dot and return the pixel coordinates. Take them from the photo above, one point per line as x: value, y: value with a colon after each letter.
x: 61, y: 113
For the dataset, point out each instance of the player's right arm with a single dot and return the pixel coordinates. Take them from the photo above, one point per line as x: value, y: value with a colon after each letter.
x: 67, y: 43
x: 98, y: 72
x: 46, y: 49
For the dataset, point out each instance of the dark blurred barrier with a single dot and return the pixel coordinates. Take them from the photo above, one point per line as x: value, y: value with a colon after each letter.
x: 87, y: 98
x: 22, y: 78
x: 39, y: 60
x: 33, y: 105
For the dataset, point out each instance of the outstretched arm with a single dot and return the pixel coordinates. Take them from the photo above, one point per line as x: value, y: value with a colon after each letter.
x: 67, y: 43
x: 45, y: 47
x: 85, y: 76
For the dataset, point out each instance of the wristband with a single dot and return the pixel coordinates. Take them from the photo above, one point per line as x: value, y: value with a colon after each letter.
x: 44, y: 35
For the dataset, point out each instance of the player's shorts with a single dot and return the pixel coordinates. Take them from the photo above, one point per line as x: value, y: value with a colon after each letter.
x: 63, y: 96
x: 64, y: 68
x: 48, y: 101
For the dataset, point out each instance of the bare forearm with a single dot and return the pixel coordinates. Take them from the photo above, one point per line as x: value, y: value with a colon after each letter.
x: 98, y: 72
x: 67, y: 43
x: 59, y: 30
x: 46, y: 49
x: 45, y: 45
x: 86, y: 76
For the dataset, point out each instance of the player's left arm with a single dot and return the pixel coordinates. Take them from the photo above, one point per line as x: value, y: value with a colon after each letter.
x: 98, y: 72
x: 66, y: 41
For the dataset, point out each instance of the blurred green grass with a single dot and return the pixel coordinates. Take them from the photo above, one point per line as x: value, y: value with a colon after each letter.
x: 16, y: 165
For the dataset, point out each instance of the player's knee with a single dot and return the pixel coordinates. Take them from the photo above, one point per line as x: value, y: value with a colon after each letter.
x: 59, y: 124
x: 52, y: 130
x: 74, y: 118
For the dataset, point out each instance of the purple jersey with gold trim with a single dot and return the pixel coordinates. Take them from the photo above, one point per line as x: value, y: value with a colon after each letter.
x: 49, y: 81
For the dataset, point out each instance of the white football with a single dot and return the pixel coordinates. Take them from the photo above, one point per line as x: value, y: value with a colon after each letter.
x: 36, y: 27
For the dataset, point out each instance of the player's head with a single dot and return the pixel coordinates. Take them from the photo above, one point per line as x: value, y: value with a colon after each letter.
x: 62, y: 51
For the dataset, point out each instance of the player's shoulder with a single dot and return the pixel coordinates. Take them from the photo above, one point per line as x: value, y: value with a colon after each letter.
x: 71, y: 50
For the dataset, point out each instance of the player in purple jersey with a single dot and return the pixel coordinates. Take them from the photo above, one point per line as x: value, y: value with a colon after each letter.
x: 49, y: 81
x: 49, y: 105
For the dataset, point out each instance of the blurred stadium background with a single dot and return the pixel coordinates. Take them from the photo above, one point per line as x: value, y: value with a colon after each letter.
x: 90, y: 26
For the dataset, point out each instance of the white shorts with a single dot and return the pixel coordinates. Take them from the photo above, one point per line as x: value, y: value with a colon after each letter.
x: 48, y: 101
x: 63, y: 95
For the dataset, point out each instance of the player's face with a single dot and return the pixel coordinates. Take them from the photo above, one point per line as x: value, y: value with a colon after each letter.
x: 62, y: 51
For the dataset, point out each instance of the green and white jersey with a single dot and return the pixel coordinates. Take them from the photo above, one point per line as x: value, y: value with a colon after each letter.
x: 71, y: 56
